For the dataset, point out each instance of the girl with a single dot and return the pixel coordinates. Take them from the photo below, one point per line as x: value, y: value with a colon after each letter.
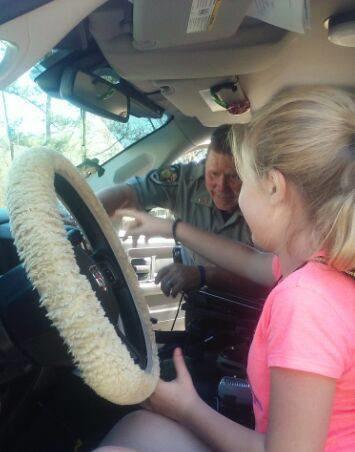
x: 297, y: 164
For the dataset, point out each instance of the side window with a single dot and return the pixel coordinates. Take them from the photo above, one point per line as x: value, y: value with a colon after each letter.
x: 196, y: 154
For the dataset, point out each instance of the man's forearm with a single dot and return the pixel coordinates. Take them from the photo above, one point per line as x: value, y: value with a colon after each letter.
x: 220, y: 279
x: 220, y: 433
x: 120, y: 196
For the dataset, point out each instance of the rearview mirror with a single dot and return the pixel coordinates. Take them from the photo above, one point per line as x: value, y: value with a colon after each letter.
x: 95, y: 94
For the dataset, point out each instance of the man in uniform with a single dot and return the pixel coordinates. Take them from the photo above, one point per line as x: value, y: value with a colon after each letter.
x: 204, y: 194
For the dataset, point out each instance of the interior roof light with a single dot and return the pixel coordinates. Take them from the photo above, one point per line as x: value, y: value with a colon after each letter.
x: 341, y: 29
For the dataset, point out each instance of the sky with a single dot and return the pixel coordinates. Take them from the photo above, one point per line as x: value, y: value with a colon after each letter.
x: 32, y: 118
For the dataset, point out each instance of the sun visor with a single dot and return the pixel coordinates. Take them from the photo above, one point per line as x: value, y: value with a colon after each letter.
x: 161, y: 24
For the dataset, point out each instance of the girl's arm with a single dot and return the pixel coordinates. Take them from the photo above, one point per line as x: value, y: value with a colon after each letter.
x: 300, y: 409
x: 235, y: 257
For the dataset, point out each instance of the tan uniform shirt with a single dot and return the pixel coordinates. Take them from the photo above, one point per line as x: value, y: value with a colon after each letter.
x: 181, y: 188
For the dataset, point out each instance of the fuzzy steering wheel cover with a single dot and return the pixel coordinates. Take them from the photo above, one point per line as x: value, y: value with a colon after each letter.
x: 72, y: 306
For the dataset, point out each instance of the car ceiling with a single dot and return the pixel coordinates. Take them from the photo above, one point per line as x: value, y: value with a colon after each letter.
x: 146, y: 42
x: 10, y: 9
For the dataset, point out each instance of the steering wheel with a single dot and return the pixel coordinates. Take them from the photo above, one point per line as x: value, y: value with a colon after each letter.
x: 84, y: 279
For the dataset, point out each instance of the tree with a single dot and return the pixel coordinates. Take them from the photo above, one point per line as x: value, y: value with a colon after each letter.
x: 48, y: 119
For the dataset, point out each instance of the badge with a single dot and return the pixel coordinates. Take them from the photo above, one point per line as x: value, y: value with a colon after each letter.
x: 166, y: 176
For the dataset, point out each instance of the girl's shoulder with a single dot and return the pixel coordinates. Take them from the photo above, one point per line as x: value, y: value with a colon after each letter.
x: 312, y: 312
x: 319, y: 277
x: 319, y: 288
x: 323, y: 279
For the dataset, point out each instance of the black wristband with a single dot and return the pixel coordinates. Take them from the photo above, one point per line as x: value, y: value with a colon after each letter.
x: 176, y: 222
x: 202, y: 271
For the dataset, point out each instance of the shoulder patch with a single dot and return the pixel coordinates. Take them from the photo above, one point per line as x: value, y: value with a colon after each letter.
x: 166, y: 176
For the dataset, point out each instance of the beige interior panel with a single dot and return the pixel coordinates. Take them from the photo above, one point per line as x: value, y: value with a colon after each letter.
x: 165, y: 23
x: 37, y: 32
x: 264, y: 61
x: 312, y: 59
x: 184, y: 94
x: 136, y: 65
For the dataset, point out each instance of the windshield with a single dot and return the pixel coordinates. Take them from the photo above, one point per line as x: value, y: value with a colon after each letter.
x: 29, y: 118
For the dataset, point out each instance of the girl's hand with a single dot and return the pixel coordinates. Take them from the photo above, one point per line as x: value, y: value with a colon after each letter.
x: 145, y: 224
x: 176, y: 398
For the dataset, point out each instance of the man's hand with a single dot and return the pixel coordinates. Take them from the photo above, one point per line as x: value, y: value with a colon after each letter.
x: 177, y: 278
x: 144, y: 223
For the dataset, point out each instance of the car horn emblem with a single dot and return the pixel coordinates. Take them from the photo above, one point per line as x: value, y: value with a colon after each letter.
x: 98, y: 277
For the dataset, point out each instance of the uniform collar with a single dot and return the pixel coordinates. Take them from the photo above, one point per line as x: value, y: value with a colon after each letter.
x: 233, y: 219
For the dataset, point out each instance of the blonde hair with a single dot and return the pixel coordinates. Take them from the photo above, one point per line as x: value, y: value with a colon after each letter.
x: 308, y: 134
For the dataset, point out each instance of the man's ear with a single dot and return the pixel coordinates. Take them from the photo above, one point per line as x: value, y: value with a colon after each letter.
x: 276, y: 186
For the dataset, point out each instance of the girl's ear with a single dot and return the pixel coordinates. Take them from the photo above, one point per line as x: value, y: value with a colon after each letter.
x: 276, y: 186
